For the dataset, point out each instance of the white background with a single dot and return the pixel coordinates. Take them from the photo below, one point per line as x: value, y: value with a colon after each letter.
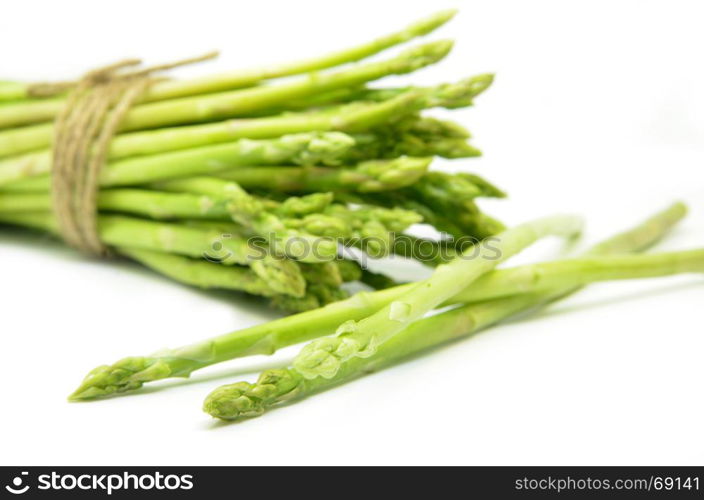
x: 597, y: 109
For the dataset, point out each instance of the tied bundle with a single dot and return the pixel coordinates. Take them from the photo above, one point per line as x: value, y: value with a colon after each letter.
x: 246, y: 182
x: 272, y: 181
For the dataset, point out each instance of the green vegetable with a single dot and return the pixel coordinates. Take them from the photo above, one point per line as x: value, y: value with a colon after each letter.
x: 131, y: 373
x: 276, y: 386
x: 365, y: 177
x: 304, y: 149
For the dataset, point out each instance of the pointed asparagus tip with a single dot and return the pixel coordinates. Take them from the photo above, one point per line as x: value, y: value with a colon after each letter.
x: 126, y: 375
x: 433, y: 22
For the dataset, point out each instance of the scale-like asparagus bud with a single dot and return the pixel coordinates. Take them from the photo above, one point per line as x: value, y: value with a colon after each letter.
x: 243, y: 400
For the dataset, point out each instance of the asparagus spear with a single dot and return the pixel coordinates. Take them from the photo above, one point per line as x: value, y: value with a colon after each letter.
x: 368, y: 176
x: 130, y: 373
x: 201, y: 273
x: 276, y: 386
x: 281, y: 275
x: 347, y: 118
x: 243, y: 400
x: 304, y: 149
x: 459, y: 218
x: 221, y: 105
x: 14, y: 91
x: 204, y: 274
x: 153, y: 204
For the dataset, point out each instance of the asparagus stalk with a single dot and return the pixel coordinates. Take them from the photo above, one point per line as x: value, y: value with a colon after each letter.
x: 209, y: 275
x: 366, y: 177
x: 273, y: 387
x: 153, y: 204
x: 201, y: 273
x: 221, y: 105
x: 12, y: 91
x: 132, y: 372
x: 304, y: 149
x: 347, y: 118
x: 459, y: 218
x: 282, y: 275
x: 276, y: 386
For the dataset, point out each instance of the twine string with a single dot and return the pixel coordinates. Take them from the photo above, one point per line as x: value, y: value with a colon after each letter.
x: 95, y: 106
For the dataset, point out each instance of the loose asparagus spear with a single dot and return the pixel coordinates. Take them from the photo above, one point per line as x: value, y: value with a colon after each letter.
x: 130, y: 373
x: 243, y: 400
x: 14, y: 91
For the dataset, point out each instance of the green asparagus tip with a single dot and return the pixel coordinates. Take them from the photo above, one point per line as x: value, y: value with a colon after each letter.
x: 324, y: 357
x: 420, y: 56
x: 459, y: 94
x: 322, y: 147
x: 432, y: 22
x: 245, y: 400
x: 383, y: 175
x: 233, y: 401
x: 126, y: 375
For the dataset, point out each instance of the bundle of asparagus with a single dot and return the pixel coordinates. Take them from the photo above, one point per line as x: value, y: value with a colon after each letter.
x: 235, y: 181
x: 240, y: 183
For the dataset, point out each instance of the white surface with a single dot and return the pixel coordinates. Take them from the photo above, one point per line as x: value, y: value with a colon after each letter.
x: 597, y: 109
